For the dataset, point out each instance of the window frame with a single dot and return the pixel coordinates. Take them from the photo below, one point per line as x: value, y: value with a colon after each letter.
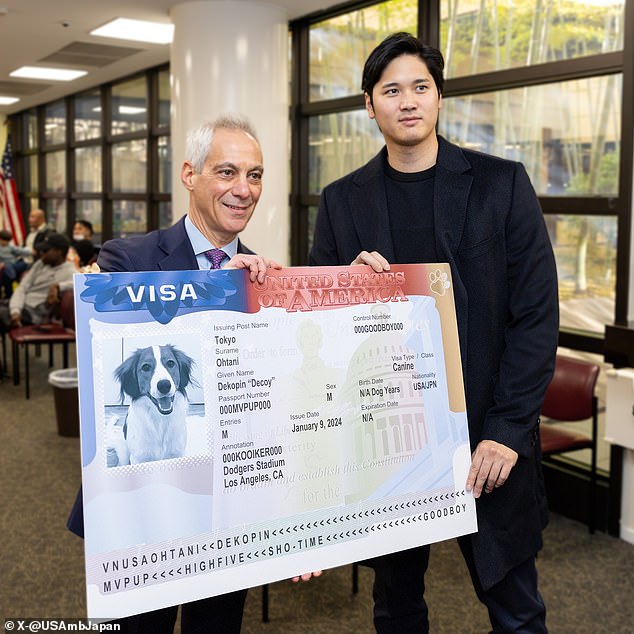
x: 151, y: 195
x: 429, y: 16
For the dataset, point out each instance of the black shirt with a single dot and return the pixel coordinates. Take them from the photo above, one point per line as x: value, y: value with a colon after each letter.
x: 410, y: 198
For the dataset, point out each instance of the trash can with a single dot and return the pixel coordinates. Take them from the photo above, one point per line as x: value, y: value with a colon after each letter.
x: 66, y: 396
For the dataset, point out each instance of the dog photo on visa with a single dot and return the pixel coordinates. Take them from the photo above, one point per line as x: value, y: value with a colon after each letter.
x: 158, y: 399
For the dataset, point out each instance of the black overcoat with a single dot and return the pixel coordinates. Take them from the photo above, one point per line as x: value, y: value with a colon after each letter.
x: 490, y: 228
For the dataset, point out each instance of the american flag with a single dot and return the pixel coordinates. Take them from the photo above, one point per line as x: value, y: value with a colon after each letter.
x: 11, y: 216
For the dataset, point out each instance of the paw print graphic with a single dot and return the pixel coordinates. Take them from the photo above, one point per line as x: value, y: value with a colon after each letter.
x: 439, y: 282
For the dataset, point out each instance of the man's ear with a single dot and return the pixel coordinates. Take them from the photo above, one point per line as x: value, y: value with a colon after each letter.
x: 368, y: 105
x: 187, y: 175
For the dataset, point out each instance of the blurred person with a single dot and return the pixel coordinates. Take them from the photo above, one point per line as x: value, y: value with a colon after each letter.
x: 38, y: 230
x: 12, y: 263
x: 37, y: 295
x: 82, y: 249
x: 82, y: 230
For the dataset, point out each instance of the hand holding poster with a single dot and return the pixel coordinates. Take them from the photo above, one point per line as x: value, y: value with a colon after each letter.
x: 234, y: 434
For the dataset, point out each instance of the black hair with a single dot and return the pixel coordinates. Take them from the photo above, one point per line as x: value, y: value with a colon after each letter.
x: 394, y: 46
x: 85, y: 223
x: 6, y: 235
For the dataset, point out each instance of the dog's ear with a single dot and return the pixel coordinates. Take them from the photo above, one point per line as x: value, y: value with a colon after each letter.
x: 126, y: 375
x: 185, y: 367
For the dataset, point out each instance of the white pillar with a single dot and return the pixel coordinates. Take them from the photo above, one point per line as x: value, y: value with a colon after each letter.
x: 232, y: 56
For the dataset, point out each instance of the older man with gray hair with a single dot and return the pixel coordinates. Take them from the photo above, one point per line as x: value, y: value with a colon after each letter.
x: 223, y: 174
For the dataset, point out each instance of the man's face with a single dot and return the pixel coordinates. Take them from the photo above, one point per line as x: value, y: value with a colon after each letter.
x: 224, y: 195
x: 36, y: 218
x: 405, y: 102
x: 80, y: 230
x: 52, y: 256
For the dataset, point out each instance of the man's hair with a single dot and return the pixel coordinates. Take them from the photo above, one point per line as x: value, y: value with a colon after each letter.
x: 394, y: 46
x: 86, y: 224
x: 5, y: 235
x: 199, y: 140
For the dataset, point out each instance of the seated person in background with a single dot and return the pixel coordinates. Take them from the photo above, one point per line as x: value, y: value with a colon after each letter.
x: 82, y: 250
x: 12, y: 263
x: 37, y: 294
x: 38, y: 230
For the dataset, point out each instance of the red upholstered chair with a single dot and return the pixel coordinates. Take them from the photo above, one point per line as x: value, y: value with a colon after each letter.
x: 44, y: 334
x: 570, y: 397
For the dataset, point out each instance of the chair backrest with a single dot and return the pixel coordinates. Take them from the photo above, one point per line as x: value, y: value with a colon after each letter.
x: 570, y: 394
x: 67, y: 309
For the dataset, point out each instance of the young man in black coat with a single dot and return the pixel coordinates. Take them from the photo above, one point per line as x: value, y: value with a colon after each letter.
x: 423, y: 199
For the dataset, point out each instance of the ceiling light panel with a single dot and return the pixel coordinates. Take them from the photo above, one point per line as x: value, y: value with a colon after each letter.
x: 137, y: 31
x: 51, y: 74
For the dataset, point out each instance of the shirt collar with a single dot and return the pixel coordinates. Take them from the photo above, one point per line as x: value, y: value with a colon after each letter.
x: 200, y: 244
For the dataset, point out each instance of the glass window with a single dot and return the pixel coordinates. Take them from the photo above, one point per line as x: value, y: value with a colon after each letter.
x: 30, y: 130
x: 88, y: 115
x: 129, y: 218
x: 32, y: 203
x: 32, y: 174
x: 46, y: 143
x: 338, y: 144
x: 487, y: 35
x: 165, y: 97
x: 56, y: 213
x: 165, y: 214
x: 129, y: 166
x: 129, y: 106
x: 92, y: 211
x: 55, y: 123
x: 164, y: 165
x: 585, y: 250
x: 55, y: 171
x: 567, y: 134
x: 88, y: 169
x: 312, y: 218
x: 339, y: 46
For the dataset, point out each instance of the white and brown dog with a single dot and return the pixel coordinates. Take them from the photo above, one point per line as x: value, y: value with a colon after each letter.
x: 155, y: 378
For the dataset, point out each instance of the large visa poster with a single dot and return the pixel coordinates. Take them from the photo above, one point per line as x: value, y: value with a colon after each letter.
x: 235, y: 434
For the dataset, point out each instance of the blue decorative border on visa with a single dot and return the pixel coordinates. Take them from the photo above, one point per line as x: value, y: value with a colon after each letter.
x: 165, y: 294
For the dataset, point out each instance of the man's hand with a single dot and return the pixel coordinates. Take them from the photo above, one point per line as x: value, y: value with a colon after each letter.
x: 53, y: 295
x: 256, y: 264
x: 306, y: 576
x: 374, y: 259
x: 491, y: 464
x: 16, y: 321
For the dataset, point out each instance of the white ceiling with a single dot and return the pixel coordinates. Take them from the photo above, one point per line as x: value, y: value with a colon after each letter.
x: 31, y: 30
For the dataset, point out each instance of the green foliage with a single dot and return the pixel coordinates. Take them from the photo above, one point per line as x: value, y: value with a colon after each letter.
x: 520, y: 32
x: 607, y: 183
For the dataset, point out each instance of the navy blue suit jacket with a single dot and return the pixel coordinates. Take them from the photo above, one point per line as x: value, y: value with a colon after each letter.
x: 162, y: 250
x: 489, y: 227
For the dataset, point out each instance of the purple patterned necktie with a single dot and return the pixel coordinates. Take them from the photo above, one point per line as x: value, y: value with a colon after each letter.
x: 215, y: 256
